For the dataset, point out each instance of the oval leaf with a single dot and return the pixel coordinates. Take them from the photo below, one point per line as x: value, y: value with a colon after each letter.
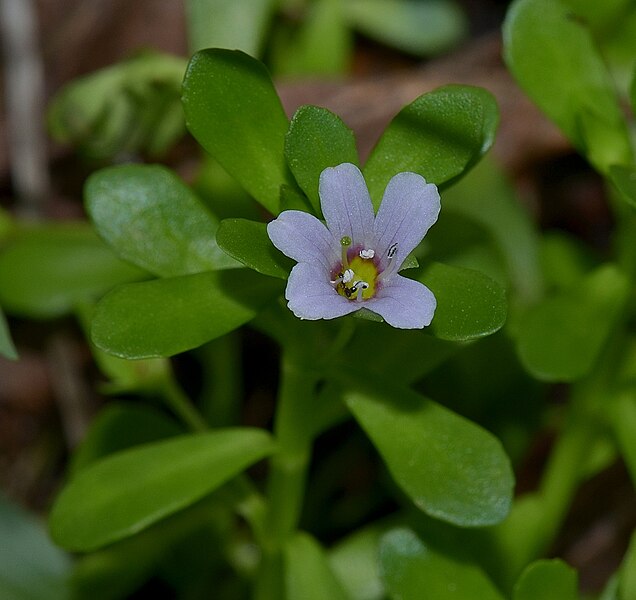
x: 129, y: 108
x: 233, y: 111
x: 561, y: 338
x: 552, y: 55
x: 152, y: 219
x: 547, y: 580
x: 128, y: 491
x: 470, y: 304
x: 48, y: 271
x: 320, y: 44
x: 487, y: 198
x: 354, y: 561
x: 167, y: 316
x: 624, y: 425
x: 451, y: 468
x: 411, y: 570
x: 239, y: 24
x: 440, y: 135
x: 120, y: 426
x: 420, y: 28
x: 317, y: 139
x: 624, y: 178
x: 308, y: 574
x: 247, y: 241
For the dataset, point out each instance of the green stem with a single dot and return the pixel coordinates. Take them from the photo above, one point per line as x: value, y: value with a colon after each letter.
x: 222, y: 380
x: 564, y: 470
x: 180, y: 404
x: 241, y: 493
x: 288, y: 471
x: 289, y: 464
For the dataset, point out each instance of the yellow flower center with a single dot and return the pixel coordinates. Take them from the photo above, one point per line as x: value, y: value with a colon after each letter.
x: 358, y: 280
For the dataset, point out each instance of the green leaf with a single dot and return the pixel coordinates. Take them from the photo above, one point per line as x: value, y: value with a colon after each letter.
x: 470, y: 305
x: 553, y: 57
x: 233, y: 111
x: 49, y: 270
x: 317, y: 139
x: 222, y: 193
x: 547, y: 580
x: 7, y: 347
x: 167, y: 316
x: 291, y: 198
x: 125, y: 376
x: 120, y: 426
x: 308, y: 575
x: 234, y: 24
x: 440, y: 135
x: 152, y: 219
x: 354, y: 561
x: 601, y: 17
x: 121, y: 569
x: 561, y: 338
x: 624, y: 424
x: 128, y: 491
x: 248, y: 242
x: 129, y: 107
x: 627, y: 582
x: 31, y: 567
x: 419, y: 353
x: 321, y: 44
x: 624, y: 178
x: 610, y: 591
x: 451, y: 468
x: 485, y: 197
x: 411, y: 571
x: 564, y: 260
x: 420, y: 28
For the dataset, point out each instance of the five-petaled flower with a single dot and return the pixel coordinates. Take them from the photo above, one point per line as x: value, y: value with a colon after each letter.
x: 353, y: 261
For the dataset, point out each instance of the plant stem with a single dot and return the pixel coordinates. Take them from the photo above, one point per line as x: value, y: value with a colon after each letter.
x: 585, y: 419
x: 180, y: 404
x: 222, y: 380
x: 240, y: 491
x: 288, y: 470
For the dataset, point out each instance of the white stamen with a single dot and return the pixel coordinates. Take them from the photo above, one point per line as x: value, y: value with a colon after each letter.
x: 367, y: 253
x: 358, y: 288
x: 345, y: 277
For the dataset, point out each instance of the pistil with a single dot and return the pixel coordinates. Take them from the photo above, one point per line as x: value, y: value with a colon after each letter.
x: 345, y: 242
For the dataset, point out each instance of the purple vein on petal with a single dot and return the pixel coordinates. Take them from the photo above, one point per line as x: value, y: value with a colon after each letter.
x: 346, y: 203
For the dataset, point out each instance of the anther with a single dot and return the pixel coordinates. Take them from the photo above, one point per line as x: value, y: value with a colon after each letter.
x: 359, y: 287
x: 392, y: 250
x: 367, y: 253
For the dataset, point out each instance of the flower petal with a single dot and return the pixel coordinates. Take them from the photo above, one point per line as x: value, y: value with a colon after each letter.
x: 404, y: 303
x: 304, y: 238
x: 310, y: 295
x: 346, y: 203
x: 409, y: 207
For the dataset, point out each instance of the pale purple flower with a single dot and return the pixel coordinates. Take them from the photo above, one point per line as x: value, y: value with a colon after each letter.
x: 353, y: 261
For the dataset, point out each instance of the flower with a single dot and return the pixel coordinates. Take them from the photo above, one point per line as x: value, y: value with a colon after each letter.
x: 353, y: 261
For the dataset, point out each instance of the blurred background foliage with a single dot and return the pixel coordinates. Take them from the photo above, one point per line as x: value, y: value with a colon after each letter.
x: 534, y: 217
